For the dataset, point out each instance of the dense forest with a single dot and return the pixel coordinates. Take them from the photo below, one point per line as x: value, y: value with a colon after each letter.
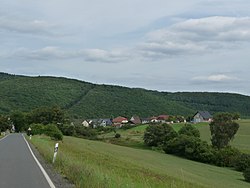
x: 86, y: 100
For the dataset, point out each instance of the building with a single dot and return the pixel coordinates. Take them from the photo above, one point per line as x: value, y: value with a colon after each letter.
x: 135, y: 120
x: 202, y: 116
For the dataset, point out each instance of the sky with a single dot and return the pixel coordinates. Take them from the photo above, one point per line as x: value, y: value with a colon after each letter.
x: 164, y: 45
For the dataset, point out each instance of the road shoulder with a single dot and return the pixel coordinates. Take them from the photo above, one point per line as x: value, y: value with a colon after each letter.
x: 58, y: 180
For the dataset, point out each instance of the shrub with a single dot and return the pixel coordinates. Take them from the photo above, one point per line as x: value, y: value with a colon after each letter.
x: 37, y: 129
x: 117, y: 135
x: 68, y: 130
x: 179, y: 145
x: 189, y: 130
x: 53, y: 131
x: 246, y: 174
x: 190, y: 147
x: 127, y: 126
x: 158, y: 135
x: 85, y: 132
x: 242, y: 162
x: 226, y: 157
x: 204, y: 153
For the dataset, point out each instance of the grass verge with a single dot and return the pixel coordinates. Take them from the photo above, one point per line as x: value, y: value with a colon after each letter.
x: 96, y: 164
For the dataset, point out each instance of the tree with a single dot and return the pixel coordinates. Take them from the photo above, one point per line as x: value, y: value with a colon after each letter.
x: 236, y: 116
x: 47, y: 115
x: 19, y: 120
x: 223, y: 129
x: 158, y: 135
x: 246, y: 174
x: 189, y: 130
x: 4, y: 123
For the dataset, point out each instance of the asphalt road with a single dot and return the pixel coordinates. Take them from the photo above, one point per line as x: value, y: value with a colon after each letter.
x: 18, y: 168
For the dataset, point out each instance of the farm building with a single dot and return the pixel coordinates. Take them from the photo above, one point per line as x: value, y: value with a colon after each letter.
x: 202, y: 116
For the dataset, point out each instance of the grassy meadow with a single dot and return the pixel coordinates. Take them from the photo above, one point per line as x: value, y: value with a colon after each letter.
x: 97, y: 164
x: 89, y: 163
x: 134, y: 137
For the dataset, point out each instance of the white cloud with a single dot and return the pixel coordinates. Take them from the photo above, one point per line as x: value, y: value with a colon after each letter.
x: 215, y: 78
x: 26, y: 26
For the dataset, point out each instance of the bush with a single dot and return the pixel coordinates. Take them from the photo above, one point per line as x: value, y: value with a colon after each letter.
x: 158, y: 135
x: 85, y: 132
x: 127, y: 126
x: 242, y: 162
x: 226, y: 157
x: 190, y: 147
x: 117, y: 135
x: 189, y: 130
x: 246, y: 174
x: 68, y: 130
x: 53, y: 131
x: 37, y: 129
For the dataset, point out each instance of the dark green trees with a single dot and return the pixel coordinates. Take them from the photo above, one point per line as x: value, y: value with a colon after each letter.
x: 189, y: 130
x: 158, y: 135
x: 223, y: 129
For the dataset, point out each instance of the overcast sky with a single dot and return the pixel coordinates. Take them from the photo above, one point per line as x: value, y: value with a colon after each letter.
x: 165, y: 45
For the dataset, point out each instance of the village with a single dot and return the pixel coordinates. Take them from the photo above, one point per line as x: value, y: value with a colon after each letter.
x: 120, y: 121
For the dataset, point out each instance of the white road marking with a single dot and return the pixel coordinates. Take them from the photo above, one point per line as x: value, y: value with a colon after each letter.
x: 40, y: 166
x: 4, y: 137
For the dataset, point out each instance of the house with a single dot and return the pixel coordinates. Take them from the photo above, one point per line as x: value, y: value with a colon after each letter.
x: 135, y: 120
x: 163, y: 118
x: 94, y: 123
x: 154, y: 120
x: 85, y: 123
x: 145, y: 120
x: 105, y: 122
x: 202, y: 116
x: 119, y: 121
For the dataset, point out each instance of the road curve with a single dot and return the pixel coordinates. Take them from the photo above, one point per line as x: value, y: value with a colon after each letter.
x: 18, y: 168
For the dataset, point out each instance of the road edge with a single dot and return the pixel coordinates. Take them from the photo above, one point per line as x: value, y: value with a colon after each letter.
x: 4, y: 137
x: 51, y: 184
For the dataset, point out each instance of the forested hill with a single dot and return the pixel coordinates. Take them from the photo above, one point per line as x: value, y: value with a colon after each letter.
x: 86, y: 100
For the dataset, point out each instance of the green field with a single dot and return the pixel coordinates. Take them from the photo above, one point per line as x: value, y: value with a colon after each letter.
x: 96, y: 164
x: 134, y: 137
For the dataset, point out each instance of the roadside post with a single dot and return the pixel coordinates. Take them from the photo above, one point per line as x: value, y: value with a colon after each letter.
x: 55, y: 152
x: 29, y: 132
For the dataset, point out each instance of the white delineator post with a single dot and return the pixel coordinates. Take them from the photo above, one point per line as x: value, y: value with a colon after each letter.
x: 55, y: 152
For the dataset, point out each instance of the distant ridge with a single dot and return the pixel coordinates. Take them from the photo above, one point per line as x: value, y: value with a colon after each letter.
x: 86, y: 100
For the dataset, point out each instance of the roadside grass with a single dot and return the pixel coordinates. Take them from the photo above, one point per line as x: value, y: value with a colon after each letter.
x: 97, y: 164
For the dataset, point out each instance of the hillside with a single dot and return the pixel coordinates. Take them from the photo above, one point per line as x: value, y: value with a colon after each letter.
x: 86, y: 100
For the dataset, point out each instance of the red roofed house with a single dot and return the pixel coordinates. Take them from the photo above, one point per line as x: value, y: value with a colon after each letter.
x: 135, y: 120
x: 119, y: 121
x: 163, y: 118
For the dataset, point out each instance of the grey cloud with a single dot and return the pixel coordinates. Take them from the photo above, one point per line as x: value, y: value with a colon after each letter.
x: 196, y: 36
x: 50, y: 53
